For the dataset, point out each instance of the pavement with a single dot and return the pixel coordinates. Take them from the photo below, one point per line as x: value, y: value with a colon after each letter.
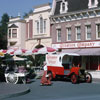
x: 12, y: 90
x: 96, y: 80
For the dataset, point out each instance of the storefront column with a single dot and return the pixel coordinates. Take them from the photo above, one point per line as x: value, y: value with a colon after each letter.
x: 83, y: 62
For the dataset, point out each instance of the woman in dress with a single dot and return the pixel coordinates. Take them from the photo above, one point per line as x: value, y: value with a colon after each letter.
x: 45, y: 80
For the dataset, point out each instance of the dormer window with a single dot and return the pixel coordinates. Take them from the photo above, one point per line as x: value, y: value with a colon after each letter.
x: 92, y: 3
x: 63, y: 7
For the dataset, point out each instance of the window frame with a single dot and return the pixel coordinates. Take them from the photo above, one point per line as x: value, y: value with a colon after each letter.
x: 86, y: 30
x: 58, y: 38
x: 44, y: 26
x: 63, y: 6
x: 67, y: 29
x: 9, y: 33
x: 41, y: 25
x: 37, y: 27
x: 97, y: 31
x: 13, y: 33
x: 77, y: 32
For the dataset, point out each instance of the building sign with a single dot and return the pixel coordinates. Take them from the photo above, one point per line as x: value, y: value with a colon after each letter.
x: 53, y: 60
x: 77, y: 45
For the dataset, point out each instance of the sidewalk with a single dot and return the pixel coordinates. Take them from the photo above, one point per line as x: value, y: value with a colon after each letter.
x: 96, y: 80
x: 11, y: 90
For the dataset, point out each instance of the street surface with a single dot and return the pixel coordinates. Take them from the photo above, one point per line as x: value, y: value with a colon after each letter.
x: 61, y: 90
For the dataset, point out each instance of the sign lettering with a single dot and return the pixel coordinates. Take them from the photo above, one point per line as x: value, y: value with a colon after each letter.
x: 77, y: 45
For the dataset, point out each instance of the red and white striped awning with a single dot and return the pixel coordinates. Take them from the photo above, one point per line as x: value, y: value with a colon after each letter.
x: 43, y: 50
x: 14, y: 51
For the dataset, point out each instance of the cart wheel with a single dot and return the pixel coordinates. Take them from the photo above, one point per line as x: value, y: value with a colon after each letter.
x: 12, y: 78
x: 74, y: 79
x: 88, y: 78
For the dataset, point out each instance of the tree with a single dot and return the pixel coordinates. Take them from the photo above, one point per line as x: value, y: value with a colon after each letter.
x: 3, y: 31
x: 25, y: 15
x: 31, y: 11
x: 1, y: 37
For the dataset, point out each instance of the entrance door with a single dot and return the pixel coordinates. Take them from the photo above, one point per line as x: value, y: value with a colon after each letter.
x: 92, y: 63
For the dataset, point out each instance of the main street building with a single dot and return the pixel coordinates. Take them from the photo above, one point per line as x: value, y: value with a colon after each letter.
x: 31, y: 32
x: 75, y: 28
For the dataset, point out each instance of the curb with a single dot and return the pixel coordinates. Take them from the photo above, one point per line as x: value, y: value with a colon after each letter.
x: 14, y: 94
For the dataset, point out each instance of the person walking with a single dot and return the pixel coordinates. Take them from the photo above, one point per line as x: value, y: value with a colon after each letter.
x: 46, y: 78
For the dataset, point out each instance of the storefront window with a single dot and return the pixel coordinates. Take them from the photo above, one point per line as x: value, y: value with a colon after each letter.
x: 98, y: 30
x: 68, y: 34
x: 92, y: 62
x: 58, y: 35
x: 88, y: 32
x: 14, y: 33
x: 78, y: 33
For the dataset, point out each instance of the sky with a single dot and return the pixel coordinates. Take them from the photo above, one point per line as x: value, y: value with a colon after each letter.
x: 15, y: 7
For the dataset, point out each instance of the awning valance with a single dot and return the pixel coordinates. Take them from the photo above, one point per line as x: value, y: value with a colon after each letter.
x: 84, y: 52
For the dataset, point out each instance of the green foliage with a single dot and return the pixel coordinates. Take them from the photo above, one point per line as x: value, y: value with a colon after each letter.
x: 31, y: 11
x: 3, y: 31
x: 39, y: 59
x: 25, y: 15
x: 30, y: 60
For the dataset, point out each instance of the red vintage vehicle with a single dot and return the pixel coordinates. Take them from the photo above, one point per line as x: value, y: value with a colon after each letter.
x: 62, y: 65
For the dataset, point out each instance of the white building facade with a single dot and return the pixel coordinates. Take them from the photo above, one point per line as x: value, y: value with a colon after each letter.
x: 31, y: 32
x: 38, y: 27
x: 16, y: 33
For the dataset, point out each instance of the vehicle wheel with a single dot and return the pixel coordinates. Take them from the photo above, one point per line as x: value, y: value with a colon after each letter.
x: 50, y: 75
x: 12, y: 78
x: 74, y: 79
x: 88, y: 78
